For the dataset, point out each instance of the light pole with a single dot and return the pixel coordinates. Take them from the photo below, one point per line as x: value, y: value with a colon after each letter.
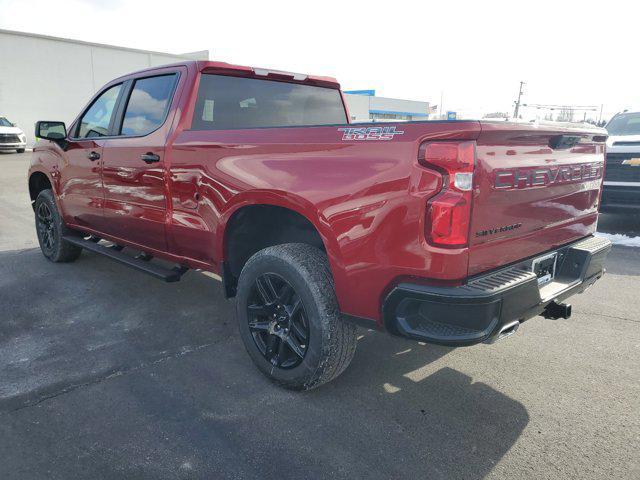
x: 600, y: 117
x: 515, y: 111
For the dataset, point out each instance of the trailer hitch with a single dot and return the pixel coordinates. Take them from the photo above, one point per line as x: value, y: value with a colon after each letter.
x: 556, y: 310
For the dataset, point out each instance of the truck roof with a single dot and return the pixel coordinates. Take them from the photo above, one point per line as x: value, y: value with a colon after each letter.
x: 267, y: 72
x: 242, y: 70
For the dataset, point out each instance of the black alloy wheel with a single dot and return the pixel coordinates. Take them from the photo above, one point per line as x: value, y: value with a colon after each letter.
x: 51, y: 230
x: 278, y: 321
x: 46, y: 227
x: 289, y: 319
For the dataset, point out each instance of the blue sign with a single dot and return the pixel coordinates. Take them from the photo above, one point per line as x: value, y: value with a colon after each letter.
x: 367, y: 93
x: 451, y: 115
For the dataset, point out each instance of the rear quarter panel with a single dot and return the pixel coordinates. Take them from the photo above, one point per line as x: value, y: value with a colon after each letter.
x: 366, y: 198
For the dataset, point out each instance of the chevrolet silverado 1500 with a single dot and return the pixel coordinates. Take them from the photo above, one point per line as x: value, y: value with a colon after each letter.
x: 449, y: 232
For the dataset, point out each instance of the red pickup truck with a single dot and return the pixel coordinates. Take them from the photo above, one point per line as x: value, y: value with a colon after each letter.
x: 449, y: 232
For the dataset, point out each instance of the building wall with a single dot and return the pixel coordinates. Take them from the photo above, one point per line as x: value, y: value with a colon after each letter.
x: 366, y: 107
x: 358, y: 106
x: 47, y: 78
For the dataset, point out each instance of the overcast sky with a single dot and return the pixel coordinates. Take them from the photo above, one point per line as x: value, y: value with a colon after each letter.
x: 476, y: 52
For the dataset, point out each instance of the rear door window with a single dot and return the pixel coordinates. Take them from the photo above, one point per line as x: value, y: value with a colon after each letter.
x: 226, y: 102
x: 148, y: 104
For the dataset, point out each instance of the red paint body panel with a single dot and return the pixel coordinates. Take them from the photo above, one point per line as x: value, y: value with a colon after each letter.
x: 80, y: 185
x: 551, y: 214
x: 367, y: 199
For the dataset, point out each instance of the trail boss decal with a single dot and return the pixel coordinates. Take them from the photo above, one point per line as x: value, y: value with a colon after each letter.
x: 369, y: 133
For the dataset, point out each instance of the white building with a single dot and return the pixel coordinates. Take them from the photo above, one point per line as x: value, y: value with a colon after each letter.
x: 50, y: 78
x: 364, y: 106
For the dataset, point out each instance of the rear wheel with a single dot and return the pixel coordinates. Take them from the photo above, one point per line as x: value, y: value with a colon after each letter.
x: 289, y: 318
x: 50, y: 229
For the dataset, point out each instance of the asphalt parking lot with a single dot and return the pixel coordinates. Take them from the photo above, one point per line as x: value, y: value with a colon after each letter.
x: 108, y: 373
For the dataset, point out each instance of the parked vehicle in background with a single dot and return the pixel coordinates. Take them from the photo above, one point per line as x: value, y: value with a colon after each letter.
x: 11, y: 137
x: 621, y: 192
x: 449, y: 232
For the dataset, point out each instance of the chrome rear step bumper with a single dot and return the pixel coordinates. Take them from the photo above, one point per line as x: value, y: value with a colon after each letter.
x: 492, y: 306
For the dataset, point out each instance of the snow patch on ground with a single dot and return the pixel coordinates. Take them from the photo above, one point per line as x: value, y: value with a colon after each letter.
x: 620, y: 239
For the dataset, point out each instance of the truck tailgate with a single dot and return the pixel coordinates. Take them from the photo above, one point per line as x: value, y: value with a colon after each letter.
x: 536, y: 188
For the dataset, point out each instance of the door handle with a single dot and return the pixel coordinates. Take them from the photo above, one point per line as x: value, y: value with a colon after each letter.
x: 150, y: 157
x: 93, y: 156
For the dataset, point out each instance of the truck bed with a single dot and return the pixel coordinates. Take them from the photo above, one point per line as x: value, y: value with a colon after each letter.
x: 370, y: 196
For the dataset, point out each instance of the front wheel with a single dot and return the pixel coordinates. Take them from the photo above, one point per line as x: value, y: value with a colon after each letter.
x: 20, y: 150
x: 50, y: 229
x: 289, y: 318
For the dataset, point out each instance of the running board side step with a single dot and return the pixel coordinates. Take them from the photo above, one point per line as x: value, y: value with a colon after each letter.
x: 141, y: 263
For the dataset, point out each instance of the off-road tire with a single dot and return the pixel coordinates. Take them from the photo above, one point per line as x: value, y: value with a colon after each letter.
x: 331, y: 343
x: 55, y: 249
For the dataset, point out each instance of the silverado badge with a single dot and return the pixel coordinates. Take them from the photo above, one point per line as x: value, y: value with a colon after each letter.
x: 493, y: 231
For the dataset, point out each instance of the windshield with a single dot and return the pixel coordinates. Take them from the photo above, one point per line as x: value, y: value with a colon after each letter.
x: 4, y: 122
x: 624, y: 124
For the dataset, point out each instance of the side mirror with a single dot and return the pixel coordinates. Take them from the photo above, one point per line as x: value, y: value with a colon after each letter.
x: 54, y: 131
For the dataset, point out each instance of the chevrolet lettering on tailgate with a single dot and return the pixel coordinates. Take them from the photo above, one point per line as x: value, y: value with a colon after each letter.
x: 539, y: 176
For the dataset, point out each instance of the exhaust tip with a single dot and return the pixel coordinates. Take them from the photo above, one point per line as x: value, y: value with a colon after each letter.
x: 506, y: 331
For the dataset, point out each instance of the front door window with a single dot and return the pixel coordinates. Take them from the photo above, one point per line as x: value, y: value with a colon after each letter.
x: 95, y: 121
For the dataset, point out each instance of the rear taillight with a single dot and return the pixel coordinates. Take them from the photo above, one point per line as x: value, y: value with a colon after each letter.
x: 449, y: 212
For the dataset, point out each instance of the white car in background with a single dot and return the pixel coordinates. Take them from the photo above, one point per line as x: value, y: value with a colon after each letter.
x: 11, y: 137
